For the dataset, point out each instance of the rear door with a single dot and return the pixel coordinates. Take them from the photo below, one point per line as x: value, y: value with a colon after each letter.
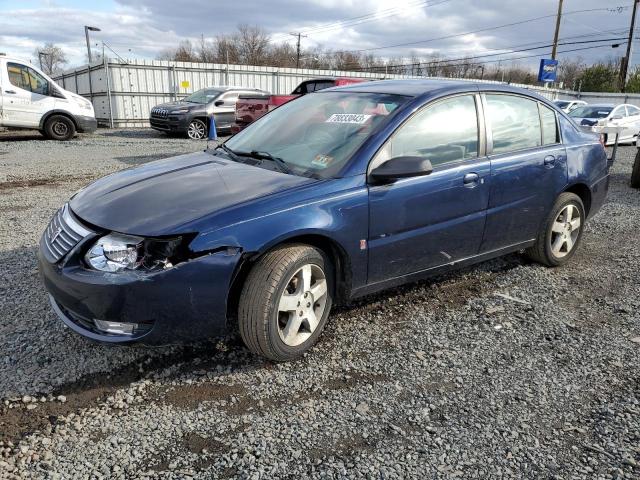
x: 27, y: 96
x: 528, y: 168
x: 423, y: 222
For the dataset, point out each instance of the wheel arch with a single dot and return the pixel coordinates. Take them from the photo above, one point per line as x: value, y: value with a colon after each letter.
x: 63, y: 113
x: 582, y: 191
x: 330, y: 247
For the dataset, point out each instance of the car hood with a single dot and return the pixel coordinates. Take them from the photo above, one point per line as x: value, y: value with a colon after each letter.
x: 158, y: 198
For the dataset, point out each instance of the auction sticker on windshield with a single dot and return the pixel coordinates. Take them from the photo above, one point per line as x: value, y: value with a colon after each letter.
x: 322, y: 161
x: 357, y: 118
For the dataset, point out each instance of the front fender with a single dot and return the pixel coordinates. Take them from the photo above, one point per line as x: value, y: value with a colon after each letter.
x: 337, y: 211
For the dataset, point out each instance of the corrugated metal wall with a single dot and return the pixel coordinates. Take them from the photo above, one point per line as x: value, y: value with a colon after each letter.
x: 124, y: 93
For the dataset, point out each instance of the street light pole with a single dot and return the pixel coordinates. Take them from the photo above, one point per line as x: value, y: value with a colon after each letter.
x: 87, y: 28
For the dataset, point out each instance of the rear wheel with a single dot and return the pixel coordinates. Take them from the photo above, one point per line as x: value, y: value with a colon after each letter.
x: 197, y: 130
x: 635, y: 173
x: 285, y: 302
x: 561, y: 233
x: 59, y: 127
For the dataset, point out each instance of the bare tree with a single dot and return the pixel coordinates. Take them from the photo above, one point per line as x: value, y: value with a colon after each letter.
x: 253, y: 44
x: 52, y: 57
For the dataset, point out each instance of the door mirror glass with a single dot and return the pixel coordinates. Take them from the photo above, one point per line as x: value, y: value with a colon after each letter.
x: 616, y: 117
x: 218, y: 103
x: 401, y: 167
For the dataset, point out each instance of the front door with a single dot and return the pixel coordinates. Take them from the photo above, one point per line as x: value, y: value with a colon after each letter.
x: 419, y: 223
x: 528, y: 168
x: 26, y: 97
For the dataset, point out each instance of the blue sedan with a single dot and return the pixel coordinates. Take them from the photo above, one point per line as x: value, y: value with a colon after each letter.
x: 332, y: 196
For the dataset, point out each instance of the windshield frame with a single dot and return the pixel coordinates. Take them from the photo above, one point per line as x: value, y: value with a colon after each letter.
x: 346, y: 163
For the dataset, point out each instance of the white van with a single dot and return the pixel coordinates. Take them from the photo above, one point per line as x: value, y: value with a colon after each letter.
x: 30, y: 99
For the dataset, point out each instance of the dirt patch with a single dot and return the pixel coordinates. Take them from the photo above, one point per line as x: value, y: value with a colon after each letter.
x: 15, y: 208
x: 233, y: 398
x: 42, y: 182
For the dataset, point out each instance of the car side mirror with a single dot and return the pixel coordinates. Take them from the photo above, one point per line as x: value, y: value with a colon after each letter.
x: 218, y: 103
x: 401, y: 167
x: 616, y: 117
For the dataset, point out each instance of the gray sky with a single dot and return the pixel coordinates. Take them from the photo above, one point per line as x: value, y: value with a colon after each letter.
x: 142, y: 28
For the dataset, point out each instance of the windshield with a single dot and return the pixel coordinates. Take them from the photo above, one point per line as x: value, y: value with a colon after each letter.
x: 591, y: 111
x: 316, y: 134
x: 203, y: 96
x: 562, y: 103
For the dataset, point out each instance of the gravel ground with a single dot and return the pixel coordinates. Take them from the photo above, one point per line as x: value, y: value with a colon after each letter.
x: 504, y: 370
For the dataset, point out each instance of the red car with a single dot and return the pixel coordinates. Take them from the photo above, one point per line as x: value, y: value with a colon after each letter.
x: 249, y: 108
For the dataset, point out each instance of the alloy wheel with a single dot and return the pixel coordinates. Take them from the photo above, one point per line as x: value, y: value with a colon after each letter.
x: 196, y: 130
x: 302, y: 305
x: 565, y: 230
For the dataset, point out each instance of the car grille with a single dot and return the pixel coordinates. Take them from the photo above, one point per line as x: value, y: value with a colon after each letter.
x: 159, y: 112
x: 62, y: 234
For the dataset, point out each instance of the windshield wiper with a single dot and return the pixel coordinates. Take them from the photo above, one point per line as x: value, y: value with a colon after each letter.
x: 233, y: 154
x: 282, y: 165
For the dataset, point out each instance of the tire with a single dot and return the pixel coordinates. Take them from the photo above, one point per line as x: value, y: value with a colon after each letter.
x: 635, y: 173
x: 197, y: 130
x: 276, y: 304
x: 555, y: 232
x: 59, y: 127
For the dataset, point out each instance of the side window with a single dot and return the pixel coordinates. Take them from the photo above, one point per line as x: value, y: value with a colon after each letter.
x: 28, y: 79
x: 549, y: 126
x: 514, y: 122
x: 38, y: 83
x: 444, y: 132
x: 619, y: 112
x: 633, y: 111
x: 18, y: 76
x: 323, y: 85
x: 230, y: 98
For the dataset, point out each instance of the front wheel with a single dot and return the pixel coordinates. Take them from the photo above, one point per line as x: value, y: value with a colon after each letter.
x: 561, y: 233
x: 59, y: 127
x: 197, y: 130
x: 285, y: 302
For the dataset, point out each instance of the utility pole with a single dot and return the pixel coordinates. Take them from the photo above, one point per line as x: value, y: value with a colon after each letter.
x: 299, y: 35
x: 624, y: 64
x: 555, y: 36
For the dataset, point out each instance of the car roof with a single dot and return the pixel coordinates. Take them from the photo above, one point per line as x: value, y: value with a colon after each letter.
x: 604, y: 105
x: 225, y: 88
x: 418, y: 87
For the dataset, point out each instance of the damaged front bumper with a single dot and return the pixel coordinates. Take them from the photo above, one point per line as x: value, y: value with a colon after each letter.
x: 186, y: 302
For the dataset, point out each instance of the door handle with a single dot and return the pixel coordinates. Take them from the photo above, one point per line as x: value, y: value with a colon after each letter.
x: 471, y: 179
x: 12, y: 92
x: 549, y: 161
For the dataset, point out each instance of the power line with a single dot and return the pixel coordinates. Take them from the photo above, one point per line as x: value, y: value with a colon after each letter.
x: 369, y: 17
x: 486, y: 29
x: 488, y: 61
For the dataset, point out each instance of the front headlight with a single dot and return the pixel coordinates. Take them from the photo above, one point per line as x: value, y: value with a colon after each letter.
x: 82, y: 103
x: 181, y: 110
x: 117, y: 252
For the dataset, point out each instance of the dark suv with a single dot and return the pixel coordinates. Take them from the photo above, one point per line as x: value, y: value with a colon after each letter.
x: 192, y: 114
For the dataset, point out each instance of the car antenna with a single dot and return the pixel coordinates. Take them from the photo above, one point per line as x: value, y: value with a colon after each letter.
x: 213, y: 135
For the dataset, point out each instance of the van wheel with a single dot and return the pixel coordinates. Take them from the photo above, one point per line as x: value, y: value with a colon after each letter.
x: 635, y: 173
x: 561, y: 233
x: 285, y: 302
x: 59, y: 127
